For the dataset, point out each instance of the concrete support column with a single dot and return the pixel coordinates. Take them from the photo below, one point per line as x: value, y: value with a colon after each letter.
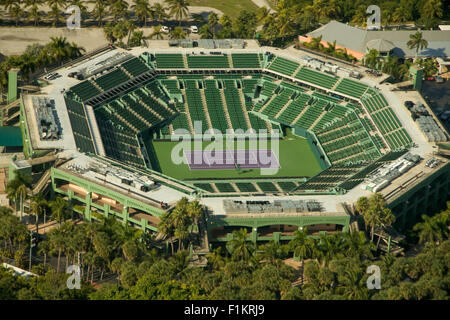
x: 87, y: 210
x: 125, y: 216
x: 144, y: 224
x: 106, y: 209
x: 254, y: 235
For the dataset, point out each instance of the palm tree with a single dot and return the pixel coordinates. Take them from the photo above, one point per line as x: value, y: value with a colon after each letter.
x: 178, y: 8
x: 301, y: 246
x: 44, y: 248
x: 74, y: 51
x: 55, y: 14
x: 375, y: 213
x: 241, y: 248
x: 60, y: 209
x: 166, y: 227
x: 142, y: 10
x: 108, y: 30
x: 263, y: 13
x: 131, y: 26
x: 205, y: 32
x: 431, y: 10
x: 58, y: 48
x: 159, y: 12
x: 432, y: 229
x: 16, y: 12
x: 119, y: 9
x: 17, y: 189
x: 177, y: 33
x: 38, y: 206
x: 157, y: 33
x: 372, y: 58
x: 99, y: 11
x: 359, y: 18
x: 403, y: 12
x: 418, y: 42
x: 213, y: 20
x: 7, y: 4
x: 55, y: 3
x: 35, y: 14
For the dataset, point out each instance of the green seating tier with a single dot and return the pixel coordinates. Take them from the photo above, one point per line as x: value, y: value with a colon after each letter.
x: 351, y: 88
x: 135, y: 67
x: 112, y: 79
x: 208, y: 62
x: 246, y: 187
x: 316, y: 78
x: 169, y: 61
x: 245, y: 60
x: 85, y: 90
x: 283, y: 66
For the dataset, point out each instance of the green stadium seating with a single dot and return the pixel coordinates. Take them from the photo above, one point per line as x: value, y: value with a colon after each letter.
x: 135, y: 67
x: 169, y: 61
x: 112, y: 79
x: 316, y: 78
x: 208, y: 61
x: 283, y: 66
x: 245, y: 60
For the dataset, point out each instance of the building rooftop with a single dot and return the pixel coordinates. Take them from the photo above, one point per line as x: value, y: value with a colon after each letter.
x: 357, y: 39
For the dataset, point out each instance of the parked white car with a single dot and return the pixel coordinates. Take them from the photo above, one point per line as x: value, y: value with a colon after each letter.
x: 194, y: 29
x: 50, y: 76
x: 165, y: 29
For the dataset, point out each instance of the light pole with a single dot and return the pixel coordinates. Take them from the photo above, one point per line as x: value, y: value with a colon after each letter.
x: 32, y: 244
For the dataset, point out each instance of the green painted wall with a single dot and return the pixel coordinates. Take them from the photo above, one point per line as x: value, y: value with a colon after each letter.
x: 12, y: 86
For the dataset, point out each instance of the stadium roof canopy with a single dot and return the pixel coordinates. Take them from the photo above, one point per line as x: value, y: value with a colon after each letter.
x: 357, y: 39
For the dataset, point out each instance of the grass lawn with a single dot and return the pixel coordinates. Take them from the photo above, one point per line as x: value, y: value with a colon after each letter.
x: 228, y: 7
x: 296, y: 160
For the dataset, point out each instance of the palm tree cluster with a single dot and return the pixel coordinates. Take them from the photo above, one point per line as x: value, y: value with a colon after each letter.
x: 330, y: 49
x: 375, y: 212
x: 180, y: 222
x: 38, y: 56
x: 333, y: 265
x: 33, y: 10
x: 434, y: 229
x: 13, y: 234
x: 104, y: 247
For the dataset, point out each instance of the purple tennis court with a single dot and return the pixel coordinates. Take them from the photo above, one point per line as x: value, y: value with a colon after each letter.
x: 228, y: 159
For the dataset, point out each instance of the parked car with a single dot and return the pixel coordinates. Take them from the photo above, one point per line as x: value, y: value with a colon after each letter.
x: 72, y: 74
x: 50, y: 76
x: 165, y: 29
x: 439, y: 79
x: 194, y: 29
x: 409, y: 104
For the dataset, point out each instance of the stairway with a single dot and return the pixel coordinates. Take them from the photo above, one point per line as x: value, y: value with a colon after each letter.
x: 146, y: 106
x: 139, y: 117
x: 230, y: 61
x: 205, y: 108
x: 244, y: 109
x: 225, y: 110
x: 96, y: 85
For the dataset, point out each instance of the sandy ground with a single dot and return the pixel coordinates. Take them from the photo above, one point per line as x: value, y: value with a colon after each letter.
x: 14, y: 40
x: 262, y: 3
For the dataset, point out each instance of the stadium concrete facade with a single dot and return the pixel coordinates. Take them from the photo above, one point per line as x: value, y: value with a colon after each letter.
x: 118, y: 124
